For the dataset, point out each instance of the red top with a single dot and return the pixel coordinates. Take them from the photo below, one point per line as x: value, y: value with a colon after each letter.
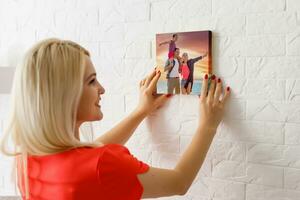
x: 185, y: 71
x: 108, y: 172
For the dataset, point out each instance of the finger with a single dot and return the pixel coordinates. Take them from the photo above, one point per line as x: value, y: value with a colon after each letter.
x: 204, y: 86
x: 162, y: 98
x: 226, y: 96
x: 212, y: 88
x: 141, y: 83
x: 218, y: 91
x: 150, y: 77
x: 154, y: 81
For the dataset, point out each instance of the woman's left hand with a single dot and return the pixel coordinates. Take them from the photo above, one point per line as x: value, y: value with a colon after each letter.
x: 149, y: 99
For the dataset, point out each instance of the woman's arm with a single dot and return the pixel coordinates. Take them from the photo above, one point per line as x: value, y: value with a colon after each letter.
x: 123, y: 130
x: 161, y: 182
x: 148, y: 102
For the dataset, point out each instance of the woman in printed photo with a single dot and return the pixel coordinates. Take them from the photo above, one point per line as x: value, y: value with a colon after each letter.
x: 185, y: 71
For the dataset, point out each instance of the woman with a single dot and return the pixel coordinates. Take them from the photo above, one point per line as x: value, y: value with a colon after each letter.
x: 190, y: 63
x: 185, y: 71
x: 54, y: 92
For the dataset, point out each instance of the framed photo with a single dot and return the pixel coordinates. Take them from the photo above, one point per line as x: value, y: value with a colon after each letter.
x: 183, y: 59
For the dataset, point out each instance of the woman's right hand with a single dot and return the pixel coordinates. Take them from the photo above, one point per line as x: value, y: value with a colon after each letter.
x: 212, y: 102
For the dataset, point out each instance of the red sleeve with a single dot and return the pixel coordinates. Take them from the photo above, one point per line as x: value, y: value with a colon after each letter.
x: 117, y: 173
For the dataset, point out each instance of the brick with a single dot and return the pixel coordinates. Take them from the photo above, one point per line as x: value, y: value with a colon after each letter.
x: 273, y: 67
x: 273, y: 111
x: 264, y: 175
x: 224, y: 150
x: 216, y: 188
x: 236, y: 109
x: 228, y: 46
x: 261, y: 6
x: 155, y: 142
x: 293, y: 43
x: 118, y: 49
x: 224, y: 170
x: 226, y: 7
x: 293, y: 90
x: 260, y: 192
x: 230, y: 26
x: 292, y: 5
x: 139, y: 31
x: 188, y: 127
x: 111, y: 12
x: 137, y: 11
x: 229, y: 67
x: 274, y: 155
x: 280, y: 23
x: 265, y: 46
x: 138, y: 49
x: 164, y: 10
x: 254, y: 131
x: 164, y: 160
x: 189, y: 106
x: 291, y: 179
x: 265, y: 89
x: 292, y: 133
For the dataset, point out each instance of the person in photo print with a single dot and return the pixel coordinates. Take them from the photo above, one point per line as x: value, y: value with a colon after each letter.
x: 190, y: 63
x: 172, y: 45
x: 173, y: 67
x: 185, y: 71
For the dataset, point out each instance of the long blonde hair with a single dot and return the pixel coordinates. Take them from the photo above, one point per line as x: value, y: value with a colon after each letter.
x: 46, y: 92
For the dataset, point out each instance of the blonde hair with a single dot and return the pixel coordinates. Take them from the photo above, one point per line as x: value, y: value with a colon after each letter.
x: 46, y: 92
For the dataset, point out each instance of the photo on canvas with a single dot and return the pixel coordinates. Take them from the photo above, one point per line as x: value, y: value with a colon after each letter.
x: 183, y: 59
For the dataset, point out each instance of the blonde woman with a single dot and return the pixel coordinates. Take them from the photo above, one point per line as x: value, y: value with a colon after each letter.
x: 54, y: 92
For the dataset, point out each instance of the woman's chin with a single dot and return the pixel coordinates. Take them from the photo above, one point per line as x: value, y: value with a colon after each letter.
x: 100, y: 115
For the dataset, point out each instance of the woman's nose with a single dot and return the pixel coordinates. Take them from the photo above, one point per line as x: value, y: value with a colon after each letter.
x: 101, y: 89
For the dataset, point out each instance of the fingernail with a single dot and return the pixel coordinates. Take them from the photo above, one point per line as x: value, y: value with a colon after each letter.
x: 206, y: 76
x: 219, y: 80
x: 169, y: 95
x: 228, y: 89
x: 213, y: 77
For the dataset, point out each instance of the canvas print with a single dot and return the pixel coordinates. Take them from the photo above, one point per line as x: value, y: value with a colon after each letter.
x: 183, y: 59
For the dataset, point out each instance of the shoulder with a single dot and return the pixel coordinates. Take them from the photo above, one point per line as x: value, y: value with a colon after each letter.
x: 118, y: 157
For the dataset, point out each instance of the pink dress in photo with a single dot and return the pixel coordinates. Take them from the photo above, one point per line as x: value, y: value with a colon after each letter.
x: 185, y: 72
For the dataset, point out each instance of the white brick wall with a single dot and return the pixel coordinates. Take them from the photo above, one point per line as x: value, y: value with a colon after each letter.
x: 256, y: 48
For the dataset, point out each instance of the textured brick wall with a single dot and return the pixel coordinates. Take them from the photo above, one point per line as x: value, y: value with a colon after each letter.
x: 256, y: 153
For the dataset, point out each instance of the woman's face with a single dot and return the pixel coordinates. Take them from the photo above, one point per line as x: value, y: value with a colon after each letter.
x: 185, y: 57
x: 89, y: 108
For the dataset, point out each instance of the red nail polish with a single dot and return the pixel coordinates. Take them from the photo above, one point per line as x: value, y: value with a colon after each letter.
x: 219, y: 80
x: 206, y: 76
x: 169, y: 95
x: 228, y: 89
x: 213, y: 77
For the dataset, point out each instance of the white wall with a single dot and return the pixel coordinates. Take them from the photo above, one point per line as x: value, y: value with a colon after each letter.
x: 256, y: 153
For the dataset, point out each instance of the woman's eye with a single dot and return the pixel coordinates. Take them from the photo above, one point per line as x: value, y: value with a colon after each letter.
x: 92, y: 81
